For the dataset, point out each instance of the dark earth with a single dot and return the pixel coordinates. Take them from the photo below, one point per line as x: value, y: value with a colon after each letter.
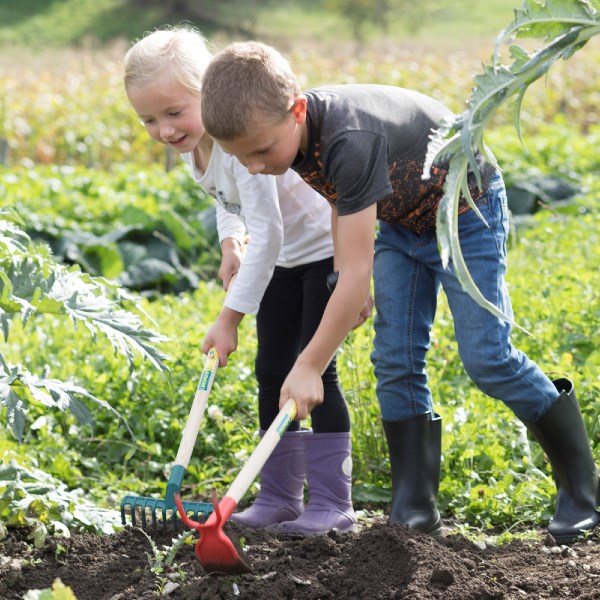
x: 381, y: 561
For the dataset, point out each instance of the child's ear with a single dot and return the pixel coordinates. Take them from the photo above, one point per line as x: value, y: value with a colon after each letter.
x: 299, y: 109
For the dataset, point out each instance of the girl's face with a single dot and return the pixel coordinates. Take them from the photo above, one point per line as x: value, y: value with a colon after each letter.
x: 170, y: 114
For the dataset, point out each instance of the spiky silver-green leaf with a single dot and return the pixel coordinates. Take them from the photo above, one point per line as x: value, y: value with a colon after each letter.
x: 566, y: 25
x: 32, y: 283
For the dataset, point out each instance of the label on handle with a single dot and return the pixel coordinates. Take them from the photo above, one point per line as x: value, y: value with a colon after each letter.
x: 286, y: 419
x: 210, y: 365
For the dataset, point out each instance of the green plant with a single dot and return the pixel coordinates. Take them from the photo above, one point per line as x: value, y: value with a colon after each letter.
x: 368, y: 445
x: 566, y: 26
x: 148, y: 231
x: 31, y: 498
x: 485, y: 484
x: 32, y: 284
x: 161, y: 560
x: 60, y: 551
x: 57, y: 592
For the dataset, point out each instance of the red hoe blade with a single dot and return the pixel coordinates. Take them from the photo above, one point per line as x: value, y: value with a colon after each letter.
x: 214, y: 549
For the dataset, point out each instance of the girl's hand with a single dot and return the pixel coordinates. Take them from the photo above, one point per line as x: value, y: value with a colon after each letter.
x: 233, y: 254
x: 223, y: 335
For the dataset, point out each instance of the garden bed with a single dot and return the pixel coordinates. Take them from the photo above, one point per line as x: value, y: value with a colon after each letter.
x: 381, y: 561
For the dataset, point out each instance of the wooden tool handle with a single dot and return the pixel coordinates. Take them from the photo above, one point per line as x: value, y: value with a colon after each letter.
x: 190, y: 432
x: 262, y: 452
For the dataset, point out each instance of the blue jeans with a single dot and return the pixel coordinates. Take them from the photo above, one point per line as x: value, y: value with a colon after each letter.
x: 408, y: 273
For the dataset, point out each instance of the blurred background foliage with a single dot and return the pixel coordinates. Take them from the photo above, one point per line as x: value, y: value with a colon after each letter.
x: 43, y: 23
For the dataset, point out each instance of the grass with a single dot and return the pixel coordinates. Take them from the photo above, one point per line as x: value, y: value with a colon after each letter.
x: 38, y: 24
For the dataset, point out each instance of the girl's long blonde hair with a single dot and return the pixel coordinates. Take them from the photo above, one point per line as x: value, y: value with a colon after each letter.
x: 178, y: 53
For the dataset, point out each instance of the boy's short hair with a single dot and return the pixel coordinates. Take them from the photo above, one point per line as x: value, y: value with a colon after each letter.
x: 177, y: 53
x: 246, y: 82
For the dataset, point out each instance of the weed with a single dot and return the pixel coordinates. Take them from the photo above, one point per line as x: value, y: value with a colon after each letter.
x: 160, y: 560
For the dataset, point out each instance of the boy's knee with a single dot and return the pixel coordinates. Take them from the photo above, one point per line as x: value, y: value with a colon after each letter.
x: 486, y: 376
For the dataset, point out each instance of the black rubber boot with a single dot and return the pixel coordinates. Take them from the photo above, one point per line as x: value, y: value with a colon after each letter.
x: 415, y: 453
x: 562, y: 435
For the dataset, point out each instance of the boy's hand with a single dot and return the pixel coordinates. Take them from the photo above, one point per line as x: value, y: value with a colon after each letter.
x: 305, y: 386
x: 365, y: 312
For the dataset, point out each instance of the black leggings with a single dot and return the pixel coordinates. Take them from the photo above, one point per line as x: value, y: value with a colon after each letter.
x: 289, y: 314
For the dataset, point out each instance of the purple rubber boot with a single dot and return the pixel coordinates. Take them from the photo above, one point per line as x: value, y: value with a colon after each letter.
x: 281, y: 495
x: 329, y: 476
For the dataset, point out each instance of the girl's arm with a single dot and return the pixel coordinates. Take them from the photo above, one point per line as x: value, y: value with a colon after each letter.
x: 232, y: 256
x: 232, y: 235
x: 261, y: 213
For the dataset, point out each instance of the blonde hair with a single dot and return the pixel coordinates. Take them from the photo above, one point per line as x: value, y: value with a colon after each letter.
x: 246, y: 82
x: 178, y: 53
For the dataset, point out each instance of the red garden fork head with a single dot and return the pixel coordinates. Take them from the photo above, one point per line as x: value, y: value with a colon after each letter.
x: 214, y: 549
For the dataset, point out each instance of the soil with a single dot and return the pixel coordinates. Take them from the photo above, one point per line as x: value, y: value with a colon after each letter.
x: 381, y: 561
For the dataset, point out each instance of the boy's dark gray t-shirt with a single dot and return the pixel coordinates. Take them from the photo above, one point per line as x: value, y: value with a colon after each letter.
x: 367, y: 143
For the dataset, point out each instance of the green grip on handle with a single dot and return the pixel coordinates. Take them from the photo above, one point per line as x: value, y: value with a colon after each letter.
x: 173, y: 486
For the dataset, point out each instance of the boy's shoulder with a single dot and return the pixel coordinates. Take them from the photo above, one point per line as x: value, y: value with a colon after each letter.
x: 373, y: 92
x: 371, y: 108
x: 370, y: 100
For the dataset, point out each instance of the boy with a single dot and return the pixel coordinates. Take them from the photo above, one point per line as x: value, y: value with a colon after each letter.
x: 363, y: 148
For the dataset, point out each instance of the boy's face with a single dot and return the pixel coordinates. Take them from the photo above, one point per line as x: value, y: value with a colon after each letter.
x: 170, y: 114
x: 270, y: 148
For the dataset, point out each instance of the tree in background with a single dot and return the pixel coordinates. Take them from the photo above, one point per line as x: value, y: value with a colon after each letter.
x: 234, y: 16
x: 361, y: 13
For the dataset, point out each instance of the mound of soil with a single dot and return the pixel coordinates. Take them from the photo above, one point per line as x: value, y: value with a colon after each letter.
x: 381, y: 561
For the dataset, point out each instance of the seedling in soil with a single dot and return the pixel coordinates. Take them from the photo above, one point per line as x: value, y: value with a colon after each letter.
x: 160, y: 584
x: 59, y: 551
x: 159, y: 560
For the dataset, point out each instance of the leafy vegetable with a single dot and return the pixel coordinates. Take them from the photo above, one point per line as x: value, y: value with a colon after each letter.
x: 59, y: 591
x: 29, y: 497
x: 567, y: 25
x: 32, y: 284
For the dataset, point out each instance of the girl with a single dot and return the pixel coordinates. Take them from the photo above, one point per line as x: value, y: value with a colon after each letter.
x: 281, y: 279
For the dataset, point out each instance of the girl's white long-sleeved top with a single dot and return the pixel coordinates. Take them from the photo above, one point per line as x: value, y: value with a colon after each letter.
x: 289, y: 224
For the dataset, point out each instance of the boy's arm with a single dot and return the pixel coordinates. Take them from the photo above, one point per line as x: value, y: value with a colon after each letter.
x: 354, y: 237
x: 334, y: 221
x: 367, y: 307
